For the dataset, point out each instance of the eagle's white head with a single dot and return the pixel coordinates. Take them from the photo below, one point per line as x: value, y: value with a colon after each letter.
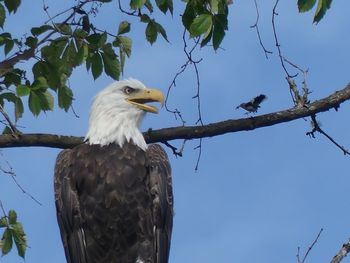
x: 117, y: 112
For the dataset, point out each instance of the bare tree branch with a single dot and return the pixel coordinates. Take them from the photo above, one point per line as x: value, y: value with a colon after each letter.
x: 256, y: 26
x: 309, y: 248
x: 317, y: 128
x: 192, y: 132
x: 345, y: 249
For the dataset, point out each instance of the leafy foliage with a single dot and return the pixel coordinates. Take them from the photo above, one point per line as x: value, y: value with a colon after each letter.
x: 322, y: 7
x: 206, y: 19
x: 13, y: 233
x: 61, y: 46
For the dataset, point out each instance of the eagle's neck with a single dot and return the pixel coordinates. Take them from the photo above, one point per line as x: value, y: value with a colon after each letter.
x: 108, y: 125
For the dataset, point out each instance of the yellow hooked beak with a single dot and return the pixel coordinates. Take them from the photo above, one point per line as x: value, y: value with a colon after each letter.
x: 146, y: 95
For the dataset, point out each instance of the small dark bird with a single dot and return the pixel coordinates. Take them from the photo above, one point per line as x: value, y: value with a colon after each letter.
x: 254, y: 104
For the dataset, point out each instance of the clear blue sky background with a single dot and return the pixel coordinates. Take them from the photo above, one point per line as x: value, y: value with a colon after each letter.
x: 258, y: 195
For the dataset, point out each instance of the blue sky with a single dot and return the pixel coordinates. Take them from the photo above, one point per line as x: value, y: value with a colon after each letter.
x: 257, y: 195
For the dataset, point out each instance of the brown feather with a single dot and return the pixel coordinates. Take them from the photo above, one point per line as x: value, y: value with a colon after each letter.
x: 114, y: 204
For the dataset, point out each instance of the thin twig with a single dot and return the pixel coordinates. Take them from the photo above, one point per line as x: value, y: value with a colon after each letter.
x: 11, y: 173
x: 2, y: 209
x: 176, y: 152
x: 133, y: 13
x: 190, y: 61
x: 15, y: 131
x: 309, y: 248
x: 256, y: 26
x: 199, y: 147
x: 317, y: 128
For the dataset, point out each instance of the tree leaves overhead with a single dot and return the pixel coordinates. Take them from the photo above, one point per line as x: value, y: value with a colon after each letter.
x: 12, y: 5
x: 136, y: 4
x: 36, y: 31
x: 110, y: 62
x: 65, y: 97
x: 124, y: 27
x: 13, y: 233
x: 2, y: 15
x: 6, y: 241
x: 165, y: 6
x: 153, y: 29
x: 306, y: 5
x: 206, y: 19
x: 321, y: 9
x: 201, y: 25
x: 96, y: 65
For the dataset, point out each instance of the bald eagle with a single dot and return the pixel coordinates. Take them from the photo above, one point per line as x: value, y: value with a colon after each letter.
x: 113, y: 193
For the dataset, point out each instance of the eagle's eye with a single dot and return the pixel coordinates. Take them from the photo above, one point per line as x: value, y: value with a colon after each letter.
x: 128, y: 90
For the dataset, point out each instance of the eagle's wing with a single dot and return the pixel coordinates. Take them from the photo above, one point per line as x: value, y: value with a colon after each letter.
x: 68, y: 210
x: 161, y: 189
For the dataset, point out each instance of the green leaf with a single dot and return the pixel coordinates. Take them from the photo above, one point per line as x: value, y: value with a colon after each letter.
x: 149, y: 6
x: 201, y: 25
x: 2, y: 15
x: 34, y: 103
x: 65, y: 97
x: 69, y: 54
x: 80, y: 33
x: 214, y: 6
x: 82, y: 54
x: 96, y: 65
x: 322, y: 7
x: 188, y: 16
x: 9, y: 96
x: 86, y: 23
x: 46, y: 99
x: 39, y: 83
x: 36, y: 31
x: 145, y: 18
x: 64, y: 29
x: 20, y: 239
x: 31, y: 42
x: 102, y: 40
x: 8, y: 46
x: 136, y: 4
x: 6, y: 241
x: 124, y: 27
x: 151, y: 32
x: 12, y: 216
x: 220, y: 24
x: 98, y: 40
x: 111, y: 62
x: 206, y: 38
x: 6, y: 130
x: 19, y: 109
x: 12, y: 5
x: 22, y: 90
x: 3, y: 220
x: 12, y: 78
x: 124, y: 43
x: 162, y: 5
x: 162, y: 31
x: 305, y: 5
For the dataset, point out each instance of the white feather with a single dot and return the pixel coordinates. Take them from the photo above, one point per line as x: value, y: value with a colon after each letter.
x: 113, y: 119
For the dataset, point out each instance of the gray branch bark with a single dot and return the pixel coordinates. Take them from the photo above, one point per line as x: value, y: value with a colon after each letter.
x: 345, y: 249
x: 192, y: 132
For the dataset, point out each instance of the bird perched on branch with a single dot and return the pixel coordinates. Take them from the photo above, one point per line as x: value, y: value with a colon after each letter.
x: 254, y: 104
x: 113, y: 193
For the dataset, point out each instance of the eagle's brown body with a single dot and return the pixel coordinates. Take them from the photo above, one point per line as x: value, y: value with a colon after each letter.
x: 114, y: 204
